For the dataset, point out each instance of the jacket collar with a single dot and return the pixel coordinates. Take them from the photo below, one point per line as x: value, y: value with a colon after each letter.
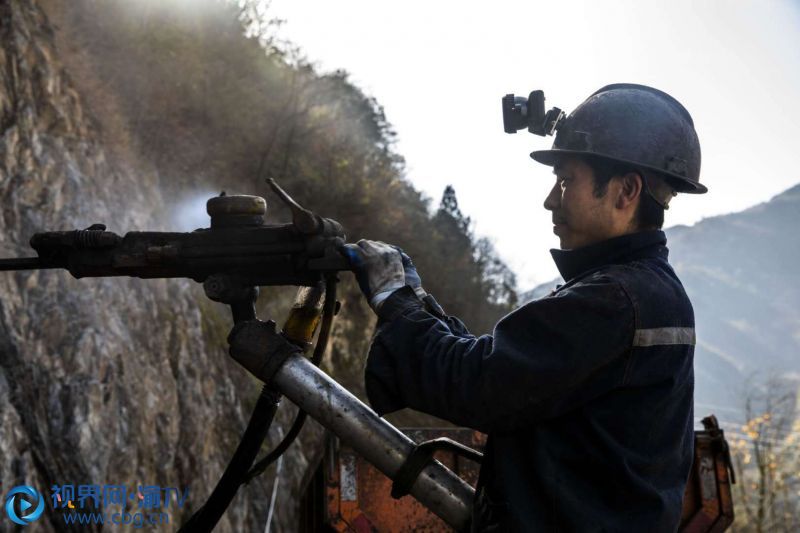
x: 572, y: 263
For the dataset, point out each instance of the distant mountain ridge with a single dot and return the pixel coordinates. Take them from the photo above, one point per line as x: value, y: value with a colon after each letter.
x: 741, y: 273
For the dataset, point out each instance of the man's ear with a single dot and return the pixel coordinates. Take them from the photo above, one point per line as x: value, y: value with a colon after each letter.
x: 630, y: 189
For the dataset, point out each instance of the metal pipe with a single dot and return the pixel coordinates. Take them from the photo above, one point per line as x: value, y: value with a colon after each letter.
x: 380, y: 443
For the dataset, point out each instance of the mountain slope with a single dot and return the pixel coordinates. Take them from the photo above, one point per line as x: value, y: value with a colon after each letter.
x: 741, y: 272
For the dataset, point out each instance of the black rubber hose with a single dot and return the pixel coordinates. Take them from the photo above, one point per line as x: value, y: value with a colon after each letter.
x: 328, y: 312
x: 238, y: 470
x: 206, y: 518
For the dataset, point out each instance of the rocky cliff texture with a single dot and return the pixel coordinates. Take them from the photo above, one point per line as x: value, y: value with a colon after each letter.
x: 102, y: 381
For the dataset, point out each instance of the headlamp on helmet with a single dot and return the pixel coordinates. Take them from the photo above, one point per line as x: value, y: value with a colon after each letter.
x: 627, y: 123
x: 520, y: 112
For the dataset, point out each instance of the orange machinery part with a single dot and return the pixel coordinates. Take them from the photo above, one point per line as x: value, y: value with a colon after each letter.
x: 348, y: 494
x: 708, y: 501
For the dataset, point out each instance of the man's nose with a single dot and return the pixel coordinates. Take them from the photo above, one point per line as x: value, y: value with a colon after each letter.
x: 553, y: 200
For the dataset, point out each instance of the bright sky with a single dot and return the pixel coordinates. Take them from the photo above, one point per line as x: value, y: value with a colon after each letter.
x: 439, y: 68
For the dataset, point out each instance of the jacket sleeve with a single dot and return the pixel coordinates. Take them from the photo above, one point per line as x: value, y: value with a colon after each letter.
x: 544, y: 359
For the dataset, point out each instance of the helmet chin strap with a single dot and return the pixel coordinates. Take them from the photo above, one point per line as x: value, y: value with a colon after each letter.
x: 658, y: 189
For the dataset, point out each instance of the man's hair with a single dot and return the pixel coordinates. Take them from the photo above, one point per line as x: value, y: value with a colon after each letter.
x: 649, y: 214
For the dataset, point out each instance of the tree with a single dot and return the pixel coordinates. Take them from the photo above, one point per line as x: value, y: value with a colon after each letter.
x: 449, y: 207
x: 476, y: 284
x: 767, y: 461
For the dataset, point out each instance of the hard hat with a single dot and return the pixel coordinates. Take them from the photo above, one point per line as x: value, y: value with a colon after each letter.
x: 633, y: 124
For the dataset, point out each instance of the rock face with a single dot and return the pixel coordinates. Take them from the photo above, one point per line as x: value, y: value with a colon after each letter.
x: 102, y: 381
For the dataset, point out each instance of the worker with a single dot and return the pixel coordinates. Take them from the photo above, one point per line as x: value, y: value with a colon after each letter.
x: 586, y: 394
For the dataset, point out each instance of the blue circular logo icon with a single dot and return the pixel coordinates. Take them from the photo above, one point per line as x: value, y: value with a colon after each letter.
x: 17, y: 494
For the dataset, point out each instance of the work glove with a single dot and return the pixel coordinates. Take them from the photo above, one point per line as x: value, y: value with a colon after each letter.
x: 410, y: 274
x: 413, y: 280
x: 259, y: 348
x: 378, y: 268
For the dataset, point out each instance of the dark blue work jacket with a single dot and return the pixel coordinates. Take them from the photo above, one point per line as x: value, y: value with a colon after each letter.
x: 586, y: 394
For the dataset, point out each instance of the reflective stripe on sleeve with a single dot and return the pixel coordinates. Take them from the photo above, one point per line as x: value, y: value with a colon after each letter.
x: 662, y: 336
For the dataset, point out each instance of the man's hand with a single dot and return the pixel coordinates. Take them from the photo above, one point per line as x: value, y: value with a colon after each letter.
x: 378, y: 268
x: 414, y: 281
x: 411, y: 275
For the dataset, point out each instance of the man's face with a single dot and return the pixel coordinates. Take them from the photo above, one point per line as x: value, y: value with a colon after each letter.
x: 579, y: 217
